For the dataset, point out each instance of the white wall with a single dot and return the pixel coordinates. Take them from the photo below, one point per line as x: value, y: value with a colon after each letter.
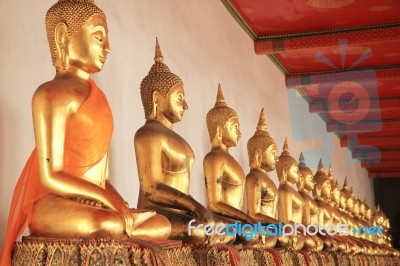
x: 201, y: 42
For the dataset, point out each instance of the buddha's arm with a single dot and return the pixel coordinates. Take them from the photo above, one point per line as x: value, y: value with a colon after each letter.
x: 108, y: 184
x: 51, y: 108
x: 148, y: 156
x: 214, y: 171
x: 285, y: 204
x: 253, y: 193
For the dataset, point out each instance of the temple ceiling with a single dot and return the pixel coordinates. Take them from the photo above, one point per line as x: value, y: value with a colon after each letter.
x: 343, y: 56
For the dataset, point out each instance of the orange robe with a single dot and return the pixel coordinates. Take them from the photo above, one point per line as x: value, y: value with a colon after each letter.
x: 87, y: 139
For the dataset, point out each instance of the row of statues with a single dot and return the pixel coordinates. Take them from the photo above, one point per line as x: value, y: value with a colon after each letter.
x: 64, y: 189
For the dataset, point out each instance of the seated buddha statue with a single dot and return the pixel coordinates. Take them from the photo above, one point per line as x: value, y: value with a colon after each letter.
x: 164, y: 159
x: 64, y: 189
x: 344, y: 243
x: 261, y: 192
x: 290, y: 202
x: 225, y: 179
x: 322, y: 195
x: 306, y: 184
x: 349, y: 216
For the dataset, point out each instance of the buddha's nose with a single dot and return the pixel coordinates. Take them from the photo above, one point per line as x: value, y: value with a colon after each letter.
x: 106, y: 47
x: 185, y: 105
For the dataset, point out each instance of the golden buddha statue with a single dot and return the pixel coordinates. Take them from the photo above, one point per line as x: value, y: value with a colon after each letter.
x: 344, y: 243
x: 290, y: 202
x: 322, y: 195
x: 64, y: 189
x: 261, y: 192
x: 224, y: 176
x: 306, y: 184
x: 165, y: 159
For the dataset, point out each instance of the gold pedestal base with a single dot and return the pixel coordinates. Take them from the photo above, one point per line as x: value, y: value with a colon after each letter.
x: 99, y: 252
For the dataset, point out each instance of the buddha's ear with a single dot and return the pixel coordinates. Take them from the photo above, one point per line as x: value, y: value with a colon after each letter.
x: 284, y: 175
x: 61, y: 43
x: 155, y: 100
x: 258, y: 157
x: 219, y: 134
x: 156, y: 95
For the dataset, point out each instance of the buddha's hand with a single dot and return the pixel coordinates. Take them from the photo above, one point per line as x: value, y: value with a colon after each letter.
x: 127, y: 218
x: 203, y: 214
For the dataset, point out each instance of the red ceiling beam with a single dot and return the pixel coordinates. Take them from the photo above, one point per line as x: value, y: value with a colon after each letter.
x: 376, y: 155
x: 384, y: 174
x: 388, y: 141
x: 377, y: 167
x: 291, y: 43
x: 359, y: 75
x: 363, y: 105
x: 390, y: 127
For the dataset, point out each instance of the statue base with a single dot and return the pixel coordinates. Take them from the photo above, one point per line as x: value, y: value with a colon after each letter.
x: 106, y: 251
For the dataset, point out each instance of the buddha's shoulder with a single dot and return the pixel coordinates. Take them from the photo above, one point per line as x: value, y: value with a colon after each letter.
x: 152, y: 130
x: 61, y: 91
x: 217, y: 155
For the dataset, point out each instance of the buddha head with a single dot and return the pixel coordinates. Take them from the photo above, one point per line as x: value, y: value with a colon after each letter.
x: 342, y: 201
x: 262, y: 148
x: 348, y: 195
x: 78, y: 35
x: 335, y: 191
x: 223, y: 123
x: 306, y: 177
x: 356, y: 207
x: 362, y: 208
x: 368, y: 211
x: 287, y: 167
x: 322, y: 188
x: 350, y: 201
x: 162, y: 92
x: 377, y: 216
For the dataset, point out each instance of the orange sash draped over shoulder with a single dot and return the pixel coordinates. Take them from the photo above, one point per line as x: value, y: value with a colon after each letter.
x: 87, y: 138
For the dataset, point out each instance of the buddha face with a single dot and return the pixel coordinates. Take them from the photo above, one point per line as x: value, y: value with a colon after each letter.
x: 88, y: 49
x: 368, y: 214
x: 326, y: 190
x: 342, y: 201
x: 231, y: 132
x: 356, y: 209
x: 309, y: 183
x: 350, y: 203
x: 336, y: 195
x: 293, y: 173
x: 174, y: 105
x: 269, y: 158
x: 362, y: 208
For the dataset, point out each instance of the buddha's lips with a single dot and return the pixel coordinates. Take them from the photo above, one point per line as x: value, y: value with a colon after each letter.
x: 102, y: 59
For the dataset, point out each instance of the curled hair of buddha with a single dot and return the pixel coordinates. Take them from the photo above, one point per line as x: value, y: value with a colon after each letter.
x: 159, y: 78
x: 74, y: 14
x: 261, y: 139
x: 303, y: 168
x: 345, y: 189
x: 285, y: 161
x: 219, y: 114
x: 334, y: 184
x: 320, y: 176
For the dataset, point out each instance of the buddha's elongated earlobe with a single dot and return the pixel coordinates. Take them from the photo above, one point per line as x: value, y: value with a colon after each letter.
x: 62, y: 60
